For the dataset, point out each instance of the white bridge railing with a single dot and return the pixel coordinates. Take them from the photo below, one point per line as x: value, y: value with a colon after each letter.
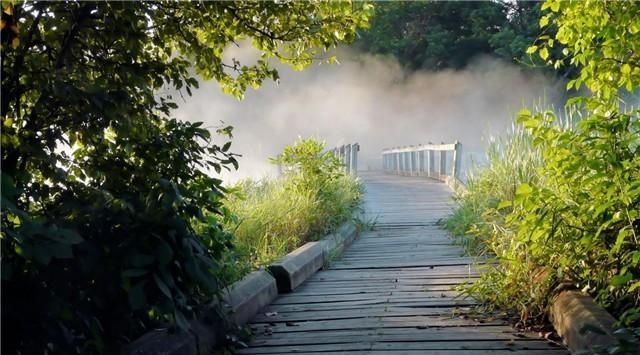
x: 348, y: 156
x: 430, y: 160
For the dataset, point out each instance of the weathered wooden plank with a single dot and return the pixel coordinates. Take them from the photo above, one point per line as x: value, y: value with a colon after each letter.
x: 385, y: 335
x: 438, y: 352
x: 391, y: 311
x: 480, y: 347
x: 422, y: 322
x: 396, y: 295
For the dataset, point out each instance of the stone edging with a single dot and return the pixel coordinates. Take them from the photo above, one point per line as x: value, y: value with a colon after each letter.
x: 294, y: 268
x: 244, y: 298
x: 581, y: 323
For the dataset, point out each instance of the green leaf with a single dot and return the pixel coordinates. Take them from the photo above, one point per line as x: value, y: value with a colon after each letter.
x: 620, y: 280
x: 134, y: 272
x: 181, y: 320
x: 162, y: 286
x: 164, y: 253
x: 524, y: 190
x: 140, y: 260
x: 504, y: 204
x: 136, y: 296
x: 544, y: 21
x: 544, y: 53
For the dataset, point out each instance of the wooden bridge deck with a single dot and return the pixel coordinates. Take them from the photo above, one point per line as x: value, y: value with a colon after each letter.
x: 391, y: 292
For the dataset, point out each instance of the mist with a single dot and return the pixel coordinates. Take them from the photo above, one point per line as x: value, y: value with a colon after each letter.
x: 372, y: 101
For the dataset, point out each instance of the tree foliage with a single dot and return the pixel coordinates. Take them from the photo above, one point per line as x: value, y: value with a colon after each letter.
x: 110, y: 209
x: 436, y: 35
x: 602, y: 38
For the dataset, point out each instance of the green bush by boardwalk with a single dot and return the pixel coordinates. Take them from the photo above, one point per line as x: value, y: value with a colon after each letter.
x: 561, y: 202
x: 274, y: 216
x: 112, y: 217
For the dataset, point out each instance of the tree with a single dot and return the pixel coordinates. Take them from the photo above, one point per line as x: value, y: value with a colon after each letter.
x: 601, y: 38
x: 436, y: 35
x: 104, y: 195
x: 584, y: 221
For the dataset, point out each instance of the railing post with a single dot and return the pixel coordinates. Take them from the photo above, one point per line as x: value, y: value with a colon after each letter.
x: 457, y: 157
x: 443, y: 164
x: 420, y: 161
x: 431, y: 162
x: 407, y: 159
x: 355, y: 148
x: 410, y: 155
x: 347, y: 158
x: 384, y: 162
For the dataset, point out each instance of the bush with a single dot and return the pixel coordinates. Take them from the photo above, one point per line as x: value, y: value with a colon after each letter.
x: 578, y: 219
x: 556, y: 204
x: 275, y: 216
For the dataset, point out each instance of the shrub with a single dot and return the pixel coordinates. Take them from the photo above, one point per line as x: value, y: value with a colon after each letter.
x: 275, y: 216
x: 579, y: 219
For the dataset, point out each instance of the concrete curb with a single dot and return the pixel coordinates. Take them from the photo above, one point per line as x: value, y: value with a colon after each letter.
x: 243, y: 299
x: 246, y: 297
x: 581, y: 322
x: 334, y: 244
x: 294, y: 268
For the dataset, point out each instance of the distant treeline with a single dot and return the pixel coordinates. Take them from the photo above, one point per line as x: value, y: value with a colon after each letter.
x: 436, y: 35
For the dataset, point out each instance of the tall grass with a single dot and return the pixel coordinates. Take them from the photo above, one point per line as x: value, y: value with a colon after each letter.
x: 479, y: 221
x: 274, y: 216
x: 511, y: 160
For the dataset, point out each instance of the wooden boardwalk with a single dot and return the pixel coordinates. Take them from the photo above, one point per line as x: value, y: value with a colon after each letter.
x: 391, y: 292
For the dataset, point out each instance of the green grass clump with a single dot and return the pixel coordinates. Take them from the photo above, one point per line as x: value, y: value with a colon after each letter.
x: 511, y: 160
x: 274, y: 216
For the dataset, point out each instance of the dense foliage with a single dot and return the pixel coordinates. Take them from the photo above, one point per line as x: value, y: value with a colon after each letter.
x: 436, y: 35
x: 311, y: 198
x: 577, y: 218
x: 111, y: 216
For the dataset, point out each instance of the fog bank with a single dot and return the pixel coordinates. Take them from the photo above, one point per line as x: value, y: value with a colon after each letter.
x: 372, y: 101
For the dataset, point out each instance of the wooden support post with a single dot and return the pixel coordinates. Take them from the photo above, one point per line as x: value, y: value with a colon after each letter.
x: 347, y: 158
x: 397, y: 163
x: 355, y: 148
x: 407, y: 159
x: 443, y: 164
x: 431, y: 163
x: 421, y: 162
x: 457, y: 157
x: 410, y: 156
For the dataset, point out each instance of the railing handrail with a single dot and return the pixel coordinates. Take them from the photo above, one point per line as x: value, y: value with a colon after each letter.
x: 420, y: 147
x: 420, y: 160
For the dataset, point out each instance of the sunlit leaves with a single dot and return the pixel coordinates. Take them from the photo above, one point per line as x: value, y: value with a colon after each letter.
x: 105, y: 196
x: 602, y: 38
